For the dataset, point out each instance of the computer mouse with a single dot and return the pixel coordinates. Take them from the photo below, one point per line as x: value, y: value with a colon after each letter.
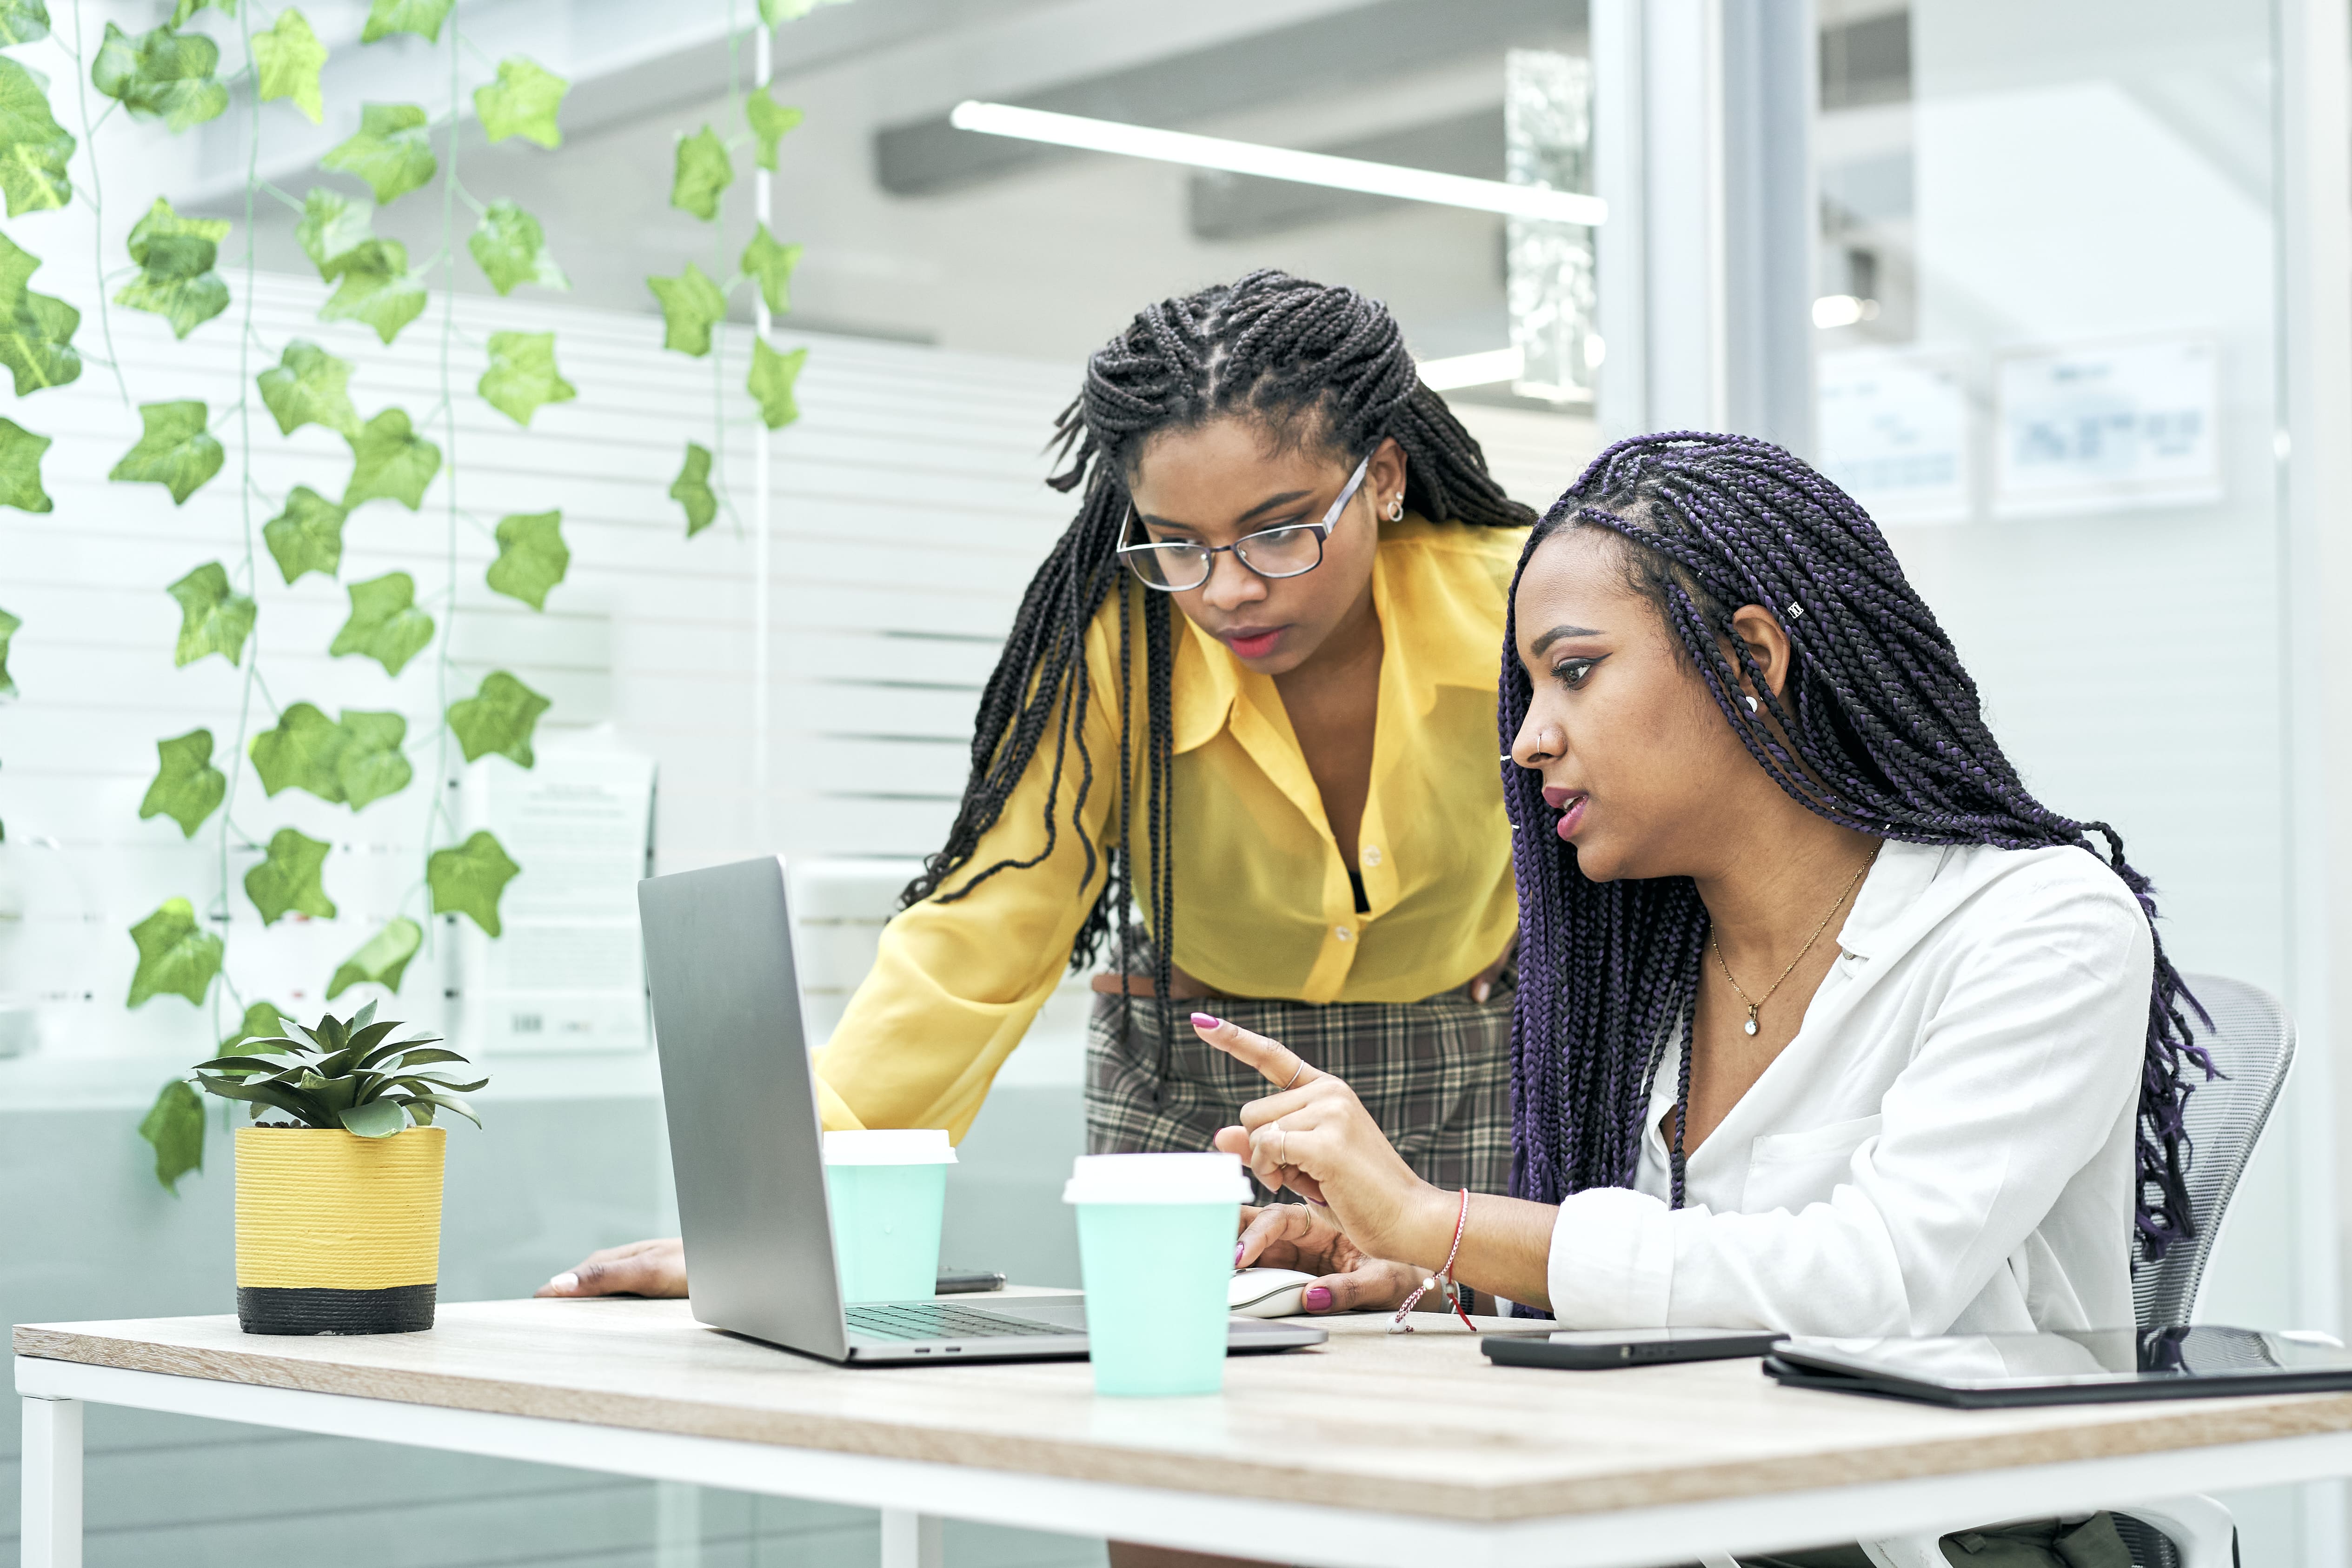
x: 1267, y: 1292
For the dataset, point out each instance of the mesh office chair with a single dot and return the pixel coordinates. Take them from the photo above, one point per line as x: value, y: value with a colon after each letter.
x: 2252, y: 1042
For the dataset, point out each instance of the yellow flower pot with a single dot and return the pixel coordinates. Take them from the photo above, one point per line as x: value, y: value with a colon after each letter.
x: 337, y: 1234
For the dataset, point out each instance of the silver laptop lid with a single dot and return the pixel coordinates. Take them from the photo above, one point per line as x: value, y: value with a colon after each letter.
x: 744, y: 1135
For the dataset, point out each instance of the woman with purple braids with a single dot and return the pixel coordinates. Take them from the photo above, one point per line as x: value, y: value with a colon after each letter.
x: 1824, y: 1024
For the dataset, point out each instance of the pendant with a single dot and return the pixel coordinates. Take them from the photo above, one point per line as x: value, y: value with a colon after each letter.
x: 1750, y: 1026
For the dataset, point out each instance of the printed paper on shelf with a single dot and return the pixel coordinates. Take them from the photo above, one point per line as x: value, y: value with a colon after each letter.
x: 2111, y: 427
x: 1893, y: 429
x: 569, y: 972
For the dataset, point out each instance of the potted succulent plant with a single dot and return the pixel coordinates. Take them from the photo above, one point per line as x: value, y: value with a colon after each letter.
x: 339, y: 1190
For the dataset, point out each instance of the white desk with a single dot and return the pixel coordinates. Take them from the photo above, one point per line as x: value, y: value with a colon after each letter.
x: 1390, y: 1452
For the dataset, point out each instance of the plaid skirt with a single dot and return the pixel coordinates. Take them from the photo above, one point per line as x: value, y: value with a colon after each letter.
x: 1435, y: 1075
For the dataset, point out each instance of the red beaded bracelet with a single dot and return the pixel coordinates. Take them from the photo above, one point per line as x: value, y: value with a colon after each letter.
x: 1441, y: 1280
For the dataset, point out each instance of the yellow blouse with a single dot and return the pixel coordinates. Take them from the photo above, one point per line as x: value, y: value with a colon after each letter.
x: 1263, y: 907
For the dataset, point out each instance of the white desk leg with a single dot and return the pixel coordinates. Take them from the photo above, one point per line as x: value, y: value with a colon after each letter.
x: 51, y: 1522
x: 909, y: 1540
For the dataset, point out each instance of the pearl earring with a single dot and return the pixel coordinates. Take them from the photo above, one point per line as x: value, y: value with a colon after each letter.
x: 1396, y: 508
x: 1751, y: 703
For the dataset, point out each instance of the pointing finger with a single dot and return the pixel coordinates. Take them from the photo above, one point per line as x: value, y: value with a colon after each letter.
x: 1281, y: 1066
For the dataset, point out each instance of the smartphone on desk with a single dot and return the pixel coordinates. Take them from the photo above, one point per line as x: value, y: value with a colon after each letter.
x: 1598, y: 1350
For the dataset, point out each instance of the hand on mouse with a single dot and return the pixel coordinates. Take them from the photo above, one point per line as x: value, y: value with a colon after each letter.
x: 640, y: 1268
x: 1294, y: 1236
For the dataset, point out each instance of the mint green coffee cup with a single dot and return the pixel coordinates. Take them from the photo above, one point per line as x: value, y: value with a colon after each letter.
x: 1156, y: 1245
x: 887, y: 1190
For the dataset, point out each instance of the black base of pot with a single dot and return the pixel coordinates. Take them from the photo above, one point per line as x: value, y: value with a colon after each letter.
x: 403, y: 1310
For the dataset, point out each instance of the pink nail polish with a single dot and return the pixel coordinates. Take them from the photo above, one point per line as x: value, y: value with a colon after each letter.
x: 1207, y: 1021
x: 1239, y: 1247
x: 1317, y: 1298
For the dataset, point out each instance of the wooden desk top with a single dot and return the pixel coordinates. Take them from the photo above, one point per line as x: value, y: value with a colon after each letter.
x: 1419, y: 1425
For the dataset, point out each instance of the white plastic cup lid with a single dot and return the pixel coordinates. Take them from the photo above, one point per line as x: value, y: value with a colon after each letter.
x: 890, y: 1146
x: 1157, y: 1179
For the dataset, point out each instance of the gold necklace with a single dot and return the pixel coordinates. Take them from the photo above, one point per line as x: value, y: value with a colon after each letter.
x: 1750, y: 1026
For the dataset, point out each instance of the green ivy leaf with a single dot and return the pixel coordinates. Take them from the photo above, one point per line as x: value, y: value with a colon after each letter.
x: 174, y: 1128
x: 467, y: 881
x: 300, y: 753
x: 170, y: 245
x: 376, y: 289
x: 770, y: 264
x: 35, y: 329
x: 307, y: 385
x: 262, y: 1021
x: 347, y: 764
x: 187, y: 8
x: 770, y: 121
x: 175, y: 452
x: 188, y: 787
x: 162, y: 75
x: 392, y: 151
x: 386, y: 623
x: 692, y: 489
x: 176, y: 256
x: 33, y: 148
x: 511, y: 247
x: 288, y: 57
x: 703, y: 171
x: 371, y: 764
x: 523, y: 102
x: 174, y: 957
x: 691, y: 305
x: 8, y: 624
x: 390, y: 462
x: 523, y: 377
x: 23, y: 22
x: 289, y: 878
x: 308, y: 536
x: 332, y: 227
x: 34, y: 342
x: 531, y: 557
x: 213, y: 617
x: 771, y: 381
x: 383, y: 957
x: 423, y: 17
x: 20, y: 469
x: 499, y: 718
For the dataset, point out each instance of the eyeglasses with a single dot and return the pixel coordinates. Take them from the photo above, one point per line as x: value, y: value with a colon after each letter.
x: 1289, y: 552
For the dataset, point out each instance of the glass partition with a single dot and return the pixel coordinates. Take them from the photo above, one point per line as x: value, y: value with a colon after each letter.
x: 2048, y: 333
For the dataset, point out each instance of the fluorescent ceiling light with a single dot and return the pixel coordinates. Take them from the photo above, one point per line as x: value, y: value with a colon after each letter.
x: 1472, y: 370
x: 1277, y: 162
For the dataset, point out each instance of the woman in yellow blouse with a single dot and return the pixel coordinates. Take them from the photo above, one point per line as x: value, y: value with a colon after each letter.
x: 1249, y: 699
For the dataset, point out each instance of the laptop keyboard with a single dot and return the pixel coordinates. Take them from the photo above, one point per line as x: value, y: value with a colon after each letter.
x: 915, y: 1321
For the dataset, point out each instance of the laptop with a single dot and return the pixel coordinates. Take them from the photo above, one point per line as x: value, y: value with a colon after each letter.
x: 747, y: 1150
x: 2083, y: 1366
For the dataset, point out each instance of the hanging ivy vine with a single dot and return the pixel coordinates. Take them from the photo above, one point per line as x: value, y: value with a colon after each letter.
x: 357, y: 757
x: 694, y: 304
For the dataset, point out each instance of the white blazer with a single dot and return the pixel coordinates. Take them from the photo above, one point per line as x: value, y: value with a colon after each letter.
x: 1946, y: 1146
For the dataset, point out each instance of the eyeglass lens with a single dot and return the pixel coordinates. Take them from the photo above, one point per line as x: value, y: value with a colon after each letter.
x: 1277, y: 553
